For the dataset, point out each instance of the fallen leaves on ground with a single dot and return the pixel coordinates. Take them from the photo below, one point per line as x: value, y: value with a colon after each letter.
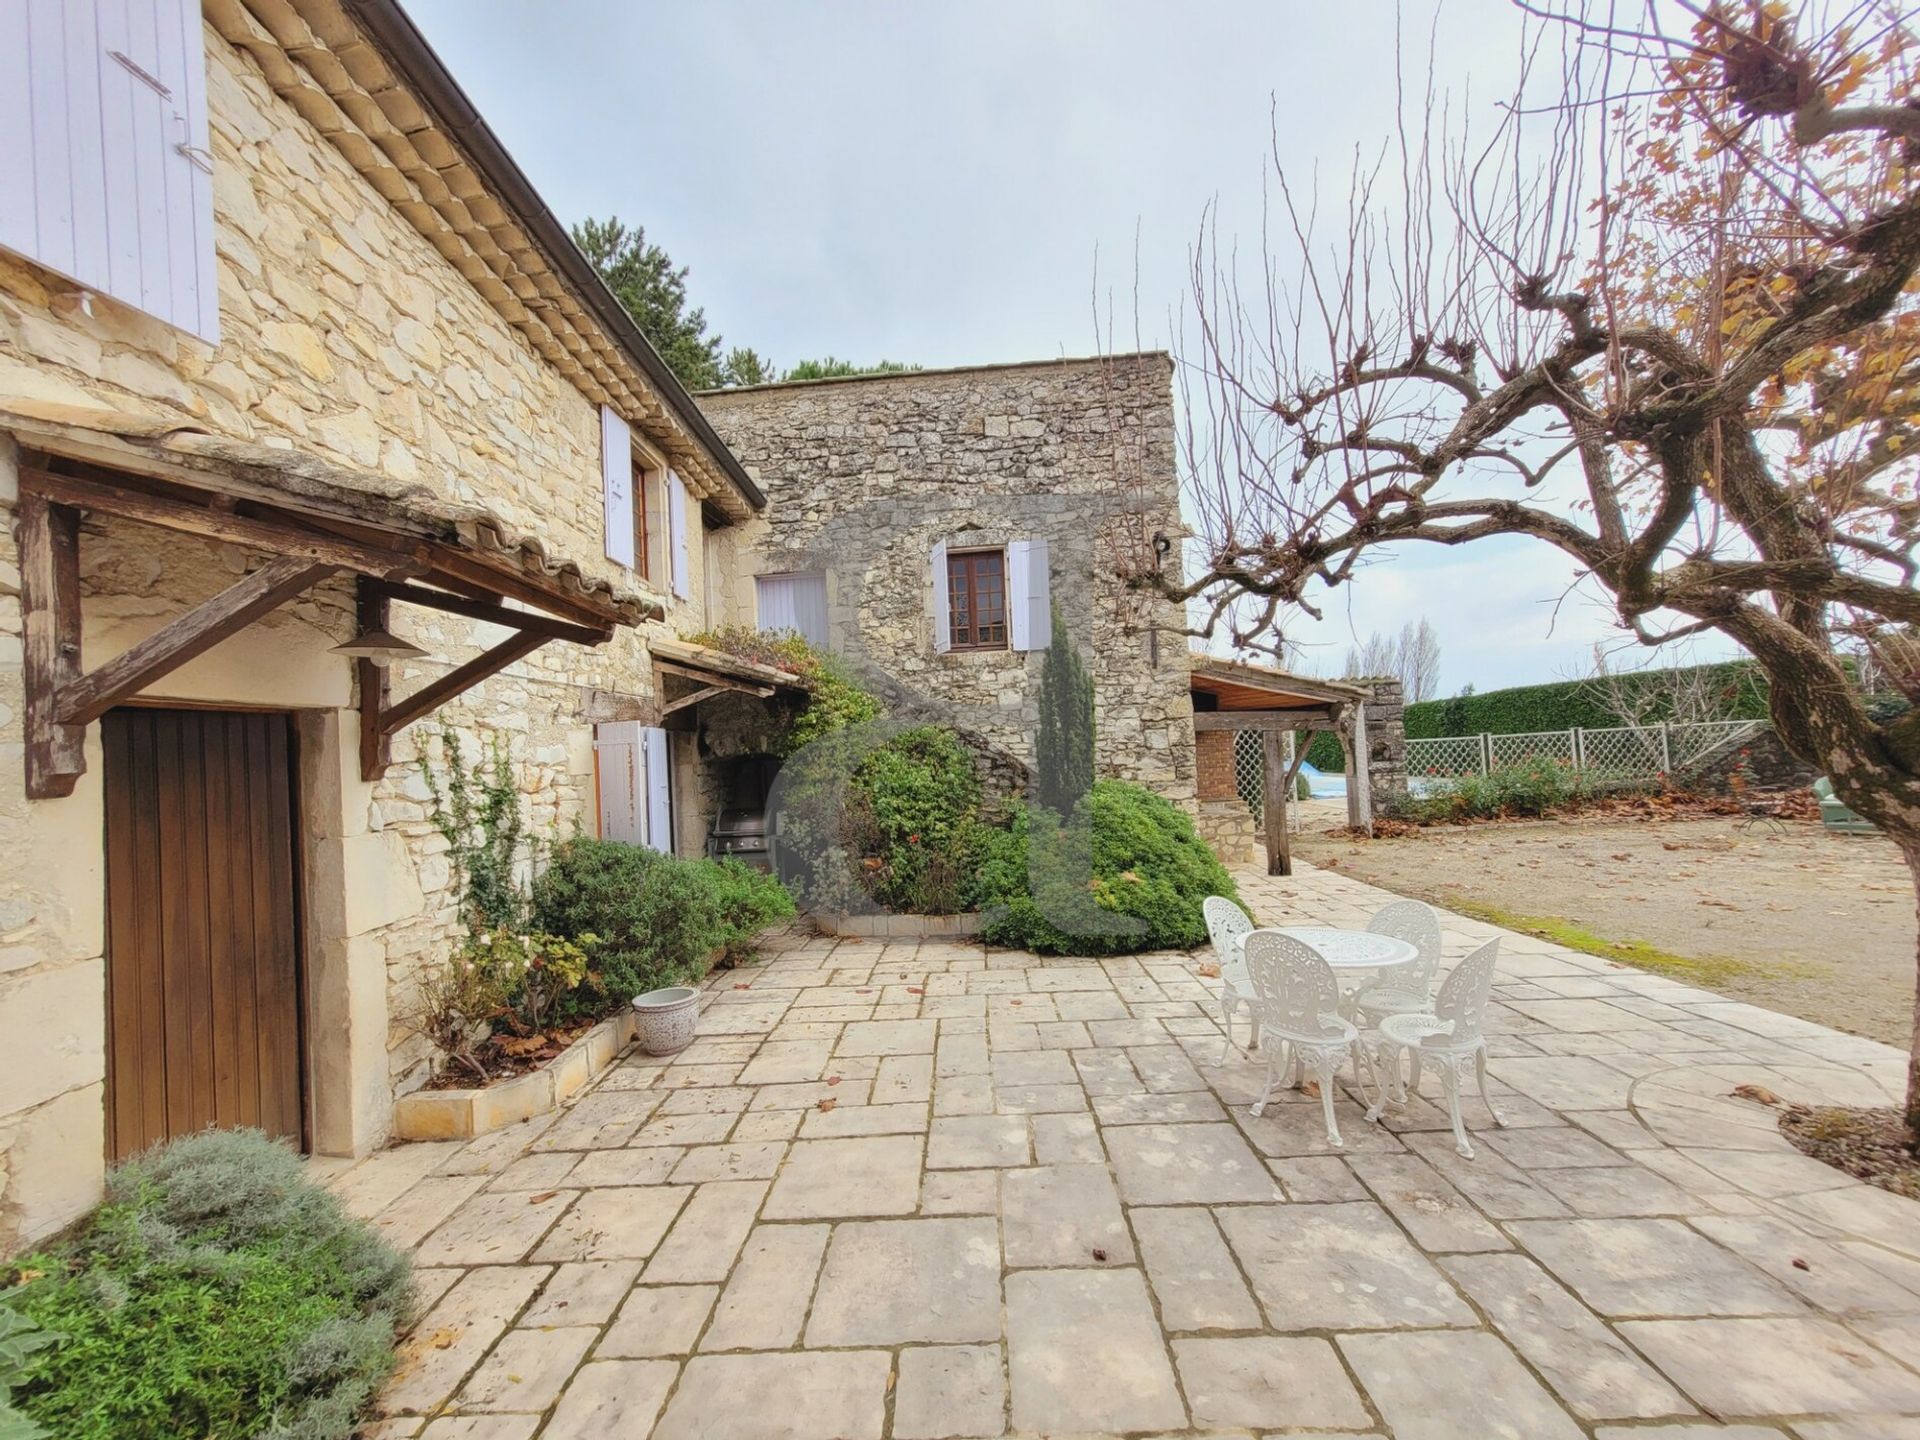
x: 1209, y: 970
x: 825, y: 1104
x: 1759, y: 1094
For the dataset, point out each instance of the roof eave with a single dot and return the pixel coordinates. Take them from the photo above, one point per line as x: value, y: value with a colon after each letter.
x: 393, y: 30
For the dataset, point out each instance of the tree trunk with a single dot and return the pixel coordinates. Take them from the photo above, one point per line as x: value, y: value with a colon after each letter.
x: 1912, y: 852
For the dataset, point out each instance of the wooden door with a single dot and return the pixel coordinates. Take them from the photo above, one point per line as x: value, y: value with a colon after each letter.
x: 203, y: 960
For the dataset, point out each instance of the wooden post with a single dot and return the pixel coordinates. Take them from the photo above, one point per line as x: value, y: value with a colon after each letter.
x: 48, y: 536
x: 1275, y: 777
x: 370, y: 612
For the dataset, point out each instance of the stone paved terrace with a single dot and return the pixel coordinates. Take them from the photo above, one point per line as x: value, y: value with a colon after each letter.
x: 925, y: 1191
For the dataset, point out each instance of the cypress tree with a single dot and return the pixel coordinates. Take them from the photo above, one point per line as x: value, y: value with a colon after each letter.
x: 1064, y: 753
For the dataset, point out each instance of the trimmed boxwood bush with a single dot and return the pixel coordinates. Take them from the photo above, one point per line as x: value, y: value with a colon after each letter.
x: 216, y: 1294
x: 1125, y: 873
x: 653, y: 919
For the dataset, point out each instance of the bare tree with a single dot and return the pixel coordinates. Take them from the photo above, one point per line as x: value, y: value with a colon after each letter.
x: 1672, y: 694
x: 1663, y: 319
x: 1412, y: 658
x: 1375, y: 656
x: 1418, y: 661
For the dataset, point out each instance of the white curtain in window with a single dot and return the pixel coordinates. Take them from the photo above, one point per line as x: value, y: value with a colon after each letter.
x: 796, y: 602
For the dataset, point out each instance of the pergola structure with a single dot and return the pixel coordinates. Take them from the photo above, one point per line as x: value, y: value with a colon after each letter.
x: 1233, y: 696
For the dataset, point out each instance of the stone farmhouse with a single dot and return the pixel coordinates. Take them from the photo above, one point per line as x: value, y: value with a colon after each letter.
x: 317, y: 433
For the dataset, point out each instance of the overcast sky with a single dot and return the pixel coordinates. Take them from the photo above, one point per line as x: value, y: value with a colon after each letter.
x: 932, y: 182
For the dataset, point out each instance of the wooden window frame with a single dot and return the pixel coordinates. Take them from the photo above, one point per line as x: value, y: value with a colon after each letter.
x: 650, y: 485
x: 964, y: 561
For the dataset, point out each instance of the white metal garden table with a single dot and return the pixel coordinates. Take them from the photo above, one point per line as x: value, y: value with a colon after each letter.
x: 1357, y: 957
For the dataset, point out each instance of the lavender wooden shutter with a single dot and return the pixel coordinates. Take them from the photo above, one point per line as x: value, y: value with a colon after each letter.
x: 659, y: 782
x: 1029, y: 596
x: 616, y: 750
x: 616, y: 485
x: 677, y: 533
x: 942, y: 602
x: 105, y: 171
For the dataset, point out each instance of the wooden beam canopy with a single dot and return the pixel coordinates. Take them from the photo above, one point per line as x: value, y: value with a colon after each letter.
x: 62, y: 699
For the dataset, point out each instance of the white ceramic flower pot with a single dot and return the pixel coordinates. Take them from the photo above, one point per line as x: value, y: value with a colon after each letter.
x: 664, y: 1020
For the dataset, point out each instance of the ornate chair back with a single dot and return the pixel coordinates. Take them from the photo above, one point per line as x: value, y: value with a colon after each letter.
x: 1415, y: 923
x: 1294, y: 983
x: 1464, y: 997
x: 1226, y: 923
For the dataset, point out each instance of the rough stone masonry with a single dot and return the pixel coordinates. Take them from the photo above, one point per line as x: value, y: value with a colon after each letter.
x: 866, y: 475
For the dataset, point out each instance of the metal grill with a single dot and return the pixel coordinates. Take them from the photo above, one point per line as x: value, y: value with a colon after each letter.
x: 1249, y: 769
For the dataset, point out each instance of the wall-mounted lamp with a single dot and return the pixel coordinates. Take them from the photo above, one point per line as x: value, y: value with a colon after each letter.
x: 382, y: 647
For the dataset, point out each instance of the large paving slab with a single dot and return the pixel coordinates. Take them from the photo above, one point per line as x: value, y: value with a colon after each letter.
x: 1187, y: 1165
x: 918, y: 1190
x: 1455, y: 1385
x: 837, y: 1395
x: 1338, y: 1267
x: 1085, y: 1355
x: 895, y: 1282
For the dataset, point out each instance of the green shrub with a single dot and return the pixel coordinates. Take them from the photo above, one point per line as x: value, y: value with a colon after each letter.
x: 1125, y: 873
x: 834, y: 698
x: 654, y: 920
x: 216, y: 1294
x: 895, y: 823
x: 915, y: 807
x: 1530, y: 787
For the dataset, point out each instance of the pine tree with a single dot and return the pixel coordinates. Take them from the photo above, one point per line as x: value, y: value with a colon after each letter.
x: 1064, y: 754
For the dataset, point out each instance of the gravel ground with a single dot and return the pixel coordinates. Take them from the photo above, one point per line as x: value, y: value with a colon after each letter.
x: 1821, y: 926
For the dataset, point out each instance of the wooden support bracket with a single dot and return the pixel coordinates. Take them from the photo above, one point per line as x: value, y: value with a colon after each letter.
x: 62, y: 700
x: 706, y: 692
x: 48, y: 536
x: 90, y: 696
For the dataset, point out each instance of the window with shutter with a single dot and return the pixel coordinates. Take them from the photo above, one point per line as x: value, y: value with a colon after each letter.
x: 977, y: 600
x: 796, y: 602
x: 105, y: 172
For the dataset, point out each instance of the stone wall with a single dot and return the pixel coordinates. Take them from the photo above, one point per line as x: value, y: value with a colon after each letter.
x: 345, y: 334
x: 864, y: 476
x: 1761, y: 761
x: 1386, y: 709
x: 1228, y: 827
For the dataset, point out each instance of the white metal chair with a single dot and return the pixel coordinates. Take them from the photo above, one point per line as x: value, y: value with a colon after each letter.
x: 1227, y: 926
x: 1297, y: 1003
x: 1408, y: 989
x: 1451, y: 1035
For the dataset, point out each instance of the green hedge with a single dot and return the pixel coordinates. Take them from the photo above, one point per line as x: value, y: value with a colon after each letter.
x: 218, y: 1294
x: 1567, y: 704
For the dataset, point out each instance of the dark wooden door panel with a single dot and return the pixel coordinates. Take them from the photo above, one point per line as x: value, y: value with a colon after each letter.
x: 203, y: 966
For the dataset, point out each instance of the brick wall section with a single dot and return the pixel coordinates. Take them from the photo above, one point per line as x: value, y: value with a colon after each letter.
x: 1213, y: 764
x: 864, y: 476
